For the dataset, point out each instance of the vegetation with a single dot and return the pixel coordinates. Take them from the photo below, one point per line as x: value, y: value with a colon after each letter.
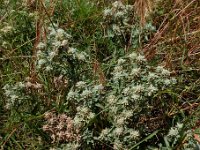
x: 97, y: 74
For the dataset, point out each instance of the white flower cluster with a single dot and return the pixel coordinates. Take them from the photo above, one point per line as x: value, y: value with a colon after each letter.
x: 119, y: 15
x: 16, y: 94
x: 13, y: 94
x: 133, y: 84
x: 54, y: 53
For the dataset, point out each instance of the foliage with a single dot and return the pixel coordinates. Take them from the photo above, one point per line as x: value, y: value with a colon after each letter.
x: 82, y: 74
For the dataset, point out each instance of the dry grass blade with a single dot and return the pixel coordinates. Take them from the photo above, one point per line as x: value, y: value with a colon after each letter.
x: 143, y: 8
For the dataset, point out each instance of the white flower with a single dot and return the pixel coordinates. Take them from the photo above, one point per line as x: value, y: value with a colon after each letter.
x: 111, y: 99
x: 127, y: 113
x: 179, y: 125
x: 71, y: 94
x: 72, y: 50
x: 135, y: 71
x: 41, y: 46
x: 135, y: 96
x: 80, y: 84
x: 118, y: 4
x: 41, y: 62
x: 116, y: 28
x: 133, y: 56
x: 48, y: 68
x: 64, y: 42
x: 134, y: 134
x: 120, y: 121
x: 141, y: 58
x: 121, y: 61
x: 126, y: 91
x: 107, y: 12
x: 137, y: 88
x: 118, y: 69
x: 167, y: 82
x: 60, y: 34
x: 104, y: 132
x: 98, y: 87
x: 165, y: 72
x: 52, y: 55
x: 91, y: 115
x: 86, y: 93
x: 151, y: 90
x: 118, y: 131
x: 159, y: 69
x: 152, y: 76
x: 7, y: 29
x: 56, y: 43
x: 173, y: 132
x: 80, y: 56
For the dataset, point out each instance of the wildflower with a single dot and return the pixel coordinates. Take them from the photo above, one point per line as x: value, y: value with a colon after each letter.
x: 41, y: 46
x: 80, y: 56
x: 134, y: 134
x: 165, y: 72
x: 64, y: 42
x: 133, y: 56
x: 104, y: 132
x: 71, y: 50
x: 86, y: 93
x: 60, y: 34
x: 121, y: 61
x: 120, y: 121
x: 111, y: 99
x: 151, y: 90
x: 127, y: 113
x: 118, y: 131
x: 173, y: 132
x: 107, y: 12
x: 137, y: 88
x: 135, y: 71
x: 141, y: 58
x: 98, y: 87
x: 80, y: 84
x: 71, y: 94
x: 116, y: 28
x: 41, y: 62
x: 48, y: 68
x: 126, y: 91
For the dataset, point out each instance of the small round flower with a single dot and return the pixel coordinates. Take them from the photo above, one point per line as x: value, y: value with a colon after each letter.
x: 141, y: 58
x: 41, y: 46
x: 126, y: 91
x: 135, y: 71
x: 71, y: 94
x: 98, y: 87
x: 71, y: 50
x: 107, y: 12
x: 86, y: 93
x: 128, y: 113
x: 173, y: 132
x: 104, y: 132
x: 133, y: 56
x: 111, y: 99
x: 137, y: 88
x: 64, y: 42
x: 41, y: 62
x: 120, y: 121
x: 121, y: 61
x: 118, y: 131
x: 134, y: 134
x: 80, y: 56
x: 80, y: 84
x: 165, y: 72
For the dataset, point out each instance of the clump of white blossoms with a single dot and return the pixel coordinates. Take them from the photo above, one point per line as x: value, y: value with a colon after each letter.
x: 119, y: 16
x: 134, y: 84
x: 121, y: 23
x: 56, y: 55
